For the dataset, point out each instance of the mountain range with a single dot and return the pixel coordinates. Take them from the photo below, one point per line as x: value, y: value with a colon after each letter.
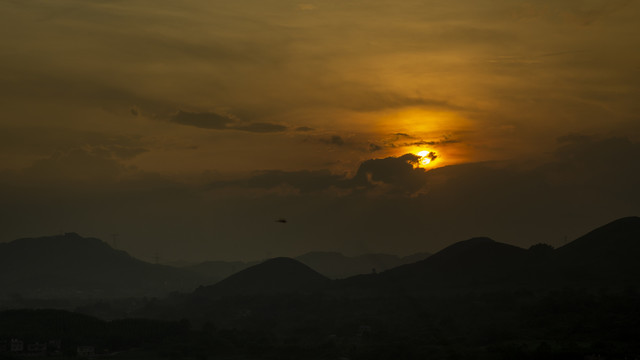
x: 476, y: 299
x: 333, y: 265
x: 70, y: 265
x: 605, y: 257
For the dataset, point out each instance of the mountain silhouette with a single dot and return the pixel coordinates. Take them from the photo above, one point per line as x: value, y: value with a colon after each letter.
x: 476, y: 270
x: 72, y: 265
x: 214, y: 271
x: 606, y: 256
x: 474, y: 262
x: 333, y: 265
x: 336, y: 266
x: 619, y: 238
x: 278, y: 275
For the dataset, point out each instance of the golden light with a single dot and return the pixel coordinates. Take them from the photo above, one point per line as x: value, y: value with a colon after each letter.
x: 425, y: 157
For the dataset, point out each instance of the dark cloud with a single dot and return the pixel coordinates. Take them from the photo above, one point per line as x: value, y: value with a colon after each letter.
x: 394, y: 175
x: 431, y: 142
x: 334, y: 140
x: 206, y: 120
x: 580, y: 164
x: 260, y: 127
x: 213, y: 121
x: 404, y: 135
x: 304, y: 128
x: 374, y: 147
x: 432, y: 155
x: 400, y: 173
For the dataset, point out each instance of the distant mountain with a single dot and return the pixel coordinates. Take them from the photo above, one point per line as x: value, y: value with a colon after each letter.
x: 476, y: 269
x: 473, y: 263
x: 336, y: 266
x: 70, y: 265
x: 477, y: 258
x: 333, y: 265
x: 214, y: 271
x: 278, y: 275
x: 605, y: 257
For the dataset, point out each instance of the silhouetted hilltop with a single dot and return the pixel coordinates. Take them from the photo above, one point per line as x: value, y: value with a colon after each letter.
x: 331, y: 264
x: 278, y: 275
x: 477, y: 261
x: 214, y: 271
x: 616, y: 238
x: 335, y: 265
x: 470, y: 264
x: 604, y: 256
x: 71, y: 265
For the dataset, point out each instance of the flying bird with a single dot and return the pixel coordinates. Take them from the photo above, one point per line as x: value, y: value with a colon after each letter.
x: 281, y: 220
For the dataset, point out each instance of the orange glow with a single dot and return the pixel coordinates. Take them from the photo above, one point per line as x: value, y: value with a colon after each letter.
x: 425, y: 157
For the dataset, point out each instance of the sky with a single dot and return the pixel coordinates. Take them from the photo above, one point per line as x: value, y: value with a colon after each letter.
x: 188, y: 128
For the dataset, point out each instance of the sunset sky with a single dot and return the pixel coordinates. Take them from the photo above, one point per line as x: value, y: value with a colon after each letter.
x: 189, y: 127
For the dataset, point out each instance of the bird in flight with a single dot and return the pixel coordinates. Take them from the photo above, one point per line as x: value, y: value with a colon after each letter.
x: 282, y: 220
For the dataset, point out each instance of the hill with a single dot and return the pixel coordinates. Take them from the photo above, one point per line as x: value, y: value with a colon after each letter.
x: 337, y: 266
x: 471, y: 264
x: 606, y: 256
x: 278, y: 275
x: 70, y: 265
x: 214, y: 271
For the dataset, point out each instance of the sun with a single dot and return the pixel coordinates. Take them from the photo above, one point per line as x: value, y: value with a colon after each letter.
x: 425, y: 157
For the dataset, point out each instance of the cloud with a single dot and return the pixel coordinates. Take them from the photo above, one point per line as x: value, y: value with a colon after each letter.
x: 581, y: 165
x: 335, y: 140
x: 213, y: 121
x: 393, y: 175
x: 205, y: 120
x: 400, y: 173
x: 374, y: 147
x: 304, y: 129
x: 260, y: 127
x: 404, y: 135
x: 431, y: 142
x: 367, y: 100
x: 399, y: 140
x: 331, y: 140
